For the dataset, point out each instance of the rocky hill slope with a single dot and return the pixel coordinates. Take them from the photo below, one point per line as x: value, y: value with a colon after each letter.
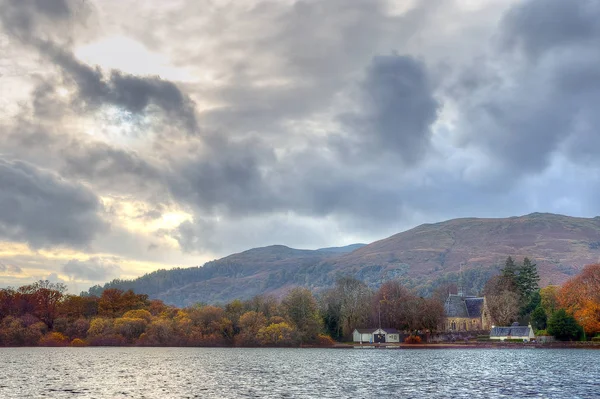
x: 422, y: 258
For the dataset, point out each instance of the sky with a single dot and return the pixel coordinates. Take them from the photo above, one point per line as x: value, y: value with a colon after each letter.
x: 144, y: 135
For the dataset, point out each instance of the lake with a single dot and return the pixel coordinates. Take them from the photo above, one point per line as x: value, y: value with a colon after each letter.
x: 297, y: 373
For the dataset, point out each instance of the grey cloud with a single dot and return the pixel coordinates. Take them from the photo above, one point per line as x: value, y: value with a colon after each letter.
x: 399, y: 109
x: 92, y: 269
x: 286, y: 61
x: 10, y: 268
x: 106, y: 168
x: 111, y: 169
x: 134, y: 94
x: 29, y: 20
x: 541, y: 25
x: 228, y: 177
x: 541, y: 96
x: 40, y: 208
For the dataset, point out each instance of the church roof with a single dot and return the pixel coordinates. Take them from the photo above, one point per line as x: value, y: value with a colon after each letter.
x: 474, y: 306
x: 461, y: 306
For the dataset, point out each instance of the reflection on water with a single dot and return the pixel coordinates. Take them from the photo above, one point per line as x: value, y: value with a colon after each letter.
x: 297, y: 373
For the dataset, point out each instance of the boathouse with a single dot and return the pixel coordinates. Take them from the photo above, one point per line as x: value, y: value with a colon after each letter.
x: 515, y: 331
x: 376, y: 335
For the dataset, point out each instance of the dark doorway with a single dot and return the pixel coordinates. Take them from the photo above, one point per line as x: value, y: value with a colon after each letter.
x: 379, y: 338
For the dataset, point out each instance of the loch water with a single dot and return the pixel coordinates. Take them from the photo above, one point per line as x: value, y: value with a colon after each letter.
x: 298, y: 373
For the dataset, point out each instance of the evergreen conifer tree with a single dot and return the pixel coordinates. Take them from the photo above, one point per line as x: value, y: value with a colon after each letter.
x: 527, y: 280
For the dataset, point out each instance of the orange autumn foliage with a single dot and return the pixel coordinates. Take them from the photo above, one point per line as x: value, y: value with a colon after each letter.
x: 580, y: 296
x: 54, y: 339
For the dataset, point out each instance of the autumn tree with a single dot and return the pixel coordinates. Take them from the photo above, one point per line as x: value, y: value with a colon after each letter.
x: 279, y: 334
x: 302, y: 310
x: 346, y: 307
x: 114, y: 302
x: 580, y: 297
x: 549, y: 299
x: 502, y: 301
x: 44, y: 298
x: 250, y: 324
x: 389, y: 305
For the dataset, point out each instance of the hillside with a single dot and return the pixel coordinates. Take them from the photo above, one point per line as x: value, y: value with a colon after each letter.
x: 422, y: 258
x: 271, y: 269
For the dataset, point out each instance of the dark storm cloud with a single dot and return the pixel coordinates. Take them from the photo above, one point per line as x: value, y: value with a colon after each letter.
x: 92, y: 269
x: 43, y: 210
x: 399, y: 108
x: 227, y: 177
x: 542, y: 98
x: 134, y: 94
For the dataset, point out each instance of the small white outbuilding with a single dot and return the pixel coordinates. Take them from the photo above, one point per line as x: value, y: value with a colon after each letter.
x: 515, y: 331
x: 376, y: 335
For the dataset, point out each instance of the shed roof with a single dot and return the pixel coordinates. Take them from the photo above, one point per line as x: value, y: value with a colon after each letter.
x: 366, y: 330
x: 513, y: 331
x: 372, y: 330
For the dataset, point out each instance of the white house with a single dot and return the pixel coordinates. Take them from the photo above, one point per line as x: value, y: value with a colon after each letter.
x: 376, y: 335
x: 515, y: 331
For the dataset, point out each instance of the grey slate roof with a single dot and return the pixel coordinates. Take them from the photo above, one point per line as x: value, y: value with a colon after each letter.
x: 513, y: 331
x: 455, y: 306
x: 474, y: 306
x: 459, y: 306
x: 366, y: 330
x: 372, y: 330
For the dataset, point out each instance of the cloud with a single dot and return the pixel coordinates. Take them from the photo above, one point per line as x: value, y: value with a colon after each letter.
x: 92, y: 269
x: 10, y: 268
x: 536, y: 98
x: 40, y: 208
x: 134, y: 94
x: 397, y: 109
x: 29, y: 20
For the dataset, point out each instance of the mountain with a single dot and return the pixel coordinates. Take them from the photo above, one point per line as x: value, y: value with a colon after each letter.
x: 273, y: 269
x: 421, y: 258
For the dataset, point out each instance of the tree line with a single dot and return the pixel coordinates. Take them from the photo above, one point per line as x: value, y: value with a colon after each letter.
x: 44, y: 314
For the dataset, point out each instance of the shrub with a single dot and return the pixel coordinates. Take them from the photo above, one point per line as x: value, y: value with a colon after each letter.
x: 54, y: 339
x: 325, y: 340
x: 78, y: 342
x: 412, y: 339
x: 483, y: 337
x: 596, y: 339
x: 514, y: 340
x: 564, y: 327
x: 541, y: 333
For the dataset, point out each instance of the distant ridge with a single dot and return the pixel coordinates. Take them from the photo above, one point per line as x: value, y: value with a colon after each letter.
x: 422, y: 258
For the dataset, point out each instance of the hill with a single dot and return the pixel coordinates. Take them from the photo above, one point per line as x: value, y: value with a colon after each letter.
x: 422, y: 258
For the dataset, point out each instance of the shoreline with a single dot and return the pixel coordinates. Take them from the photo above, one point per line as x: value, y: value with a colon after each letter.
x: 475, y: 345
x: 346, y: 346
